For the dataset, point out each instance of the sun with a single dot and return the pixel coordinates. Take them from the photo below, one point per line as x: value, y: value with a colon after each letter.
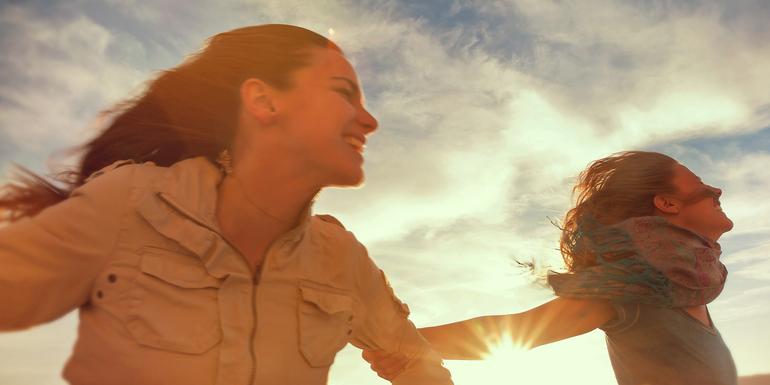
x: 505, y: 360
x: 509, y: 362
x: 502, y: 365
x: 503, y: 356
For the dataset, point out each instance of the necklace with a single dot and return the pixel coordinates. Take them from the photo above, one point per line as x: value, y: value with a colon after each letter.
x: 256, y: 206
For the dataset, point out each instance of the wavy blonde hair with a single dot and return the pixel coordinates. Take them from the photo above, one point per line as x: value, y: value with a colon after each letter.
x: 608, y: 191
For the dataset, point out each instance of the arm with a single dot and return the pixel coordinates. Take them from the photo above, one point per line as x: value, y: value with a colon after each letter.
x: 556, y: 320
x: 386, y: 327
x: 470, y: 339
x: 49, y: 261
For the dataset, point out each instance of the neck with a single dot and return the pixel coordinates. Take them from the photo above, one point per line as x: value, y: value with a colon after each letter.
x: 256, y: 197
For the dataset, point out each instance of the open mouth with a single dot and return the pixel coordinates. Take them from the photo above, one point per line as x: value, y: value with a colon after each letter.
x: 357, y: 144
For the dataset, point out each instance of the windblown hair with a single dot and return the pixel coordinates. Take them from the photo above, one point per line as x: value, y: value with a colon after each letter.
x: 610, y: 190
x: 187, y: 111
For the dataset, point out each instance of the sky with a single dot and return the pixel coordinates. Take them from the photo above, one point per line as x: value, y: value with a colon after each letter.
x: 488, y: 110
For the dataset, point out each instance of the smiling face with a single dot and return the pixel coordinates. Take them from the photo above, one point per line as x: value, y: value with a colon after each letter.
x: 696, y: 205
x: 324, y: 120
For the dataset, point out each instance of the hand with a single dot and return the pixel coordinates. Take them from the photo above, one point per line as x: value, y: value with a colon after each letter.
x: 386, y: 365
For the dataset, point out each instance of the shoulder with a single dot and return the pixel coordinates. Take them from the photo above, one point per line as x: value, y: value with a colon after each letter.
x: 149, y: 176
x: 330, y: 219
x: 331, y: 229
x: 114, y: 188
x: 123, y: 172
x: 624, y: 316
x: 329, y: 232
x: 336, y: 236
x: 115, y: 178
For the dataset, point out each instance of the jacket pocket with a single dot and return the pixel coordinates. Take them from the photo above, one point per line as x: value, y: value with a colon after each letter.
x: 174, y: 304
x: 325, y: 323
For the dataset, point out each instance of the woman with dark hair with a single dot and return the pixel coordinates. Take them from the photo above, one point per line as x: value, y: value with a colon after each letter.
x: 185, y: 237
x: 642, y: 261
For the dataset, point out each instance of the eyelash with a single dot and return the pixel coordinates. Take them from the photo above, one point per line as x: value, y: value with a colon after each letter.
x: 348, y: 94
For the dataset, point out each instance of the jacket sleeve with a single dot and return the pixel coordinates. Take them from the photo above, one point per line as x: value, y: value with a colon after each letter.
x: 386, y: 327
x: 48, y: 262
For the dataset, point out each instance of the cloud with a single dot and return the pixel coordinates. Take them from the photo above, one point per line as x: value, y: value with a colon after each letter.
x: 641, y: 67
x: 601, y: 79
x: 56, y: 77
x: 488, y: 111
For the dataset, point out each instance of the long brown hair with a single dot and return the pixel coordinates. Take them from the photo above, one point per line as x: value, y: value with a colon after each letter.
x: 610, y: 190
x: 186, y: 111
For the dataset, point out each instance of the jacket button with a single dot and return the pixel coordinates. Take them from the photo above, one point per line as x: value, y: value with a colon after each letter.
x: 350, y: 318
x: 112, y: 278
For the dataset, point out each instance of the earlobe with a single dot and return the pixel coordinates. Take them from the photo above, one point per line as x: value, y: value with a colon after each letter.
x: 257, y: 101
x: 267, y: 119
x: 665, y: 205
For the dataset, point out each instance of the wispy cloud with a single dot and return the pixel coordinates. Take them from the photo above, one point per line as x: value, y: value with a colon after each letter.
x: 56, y: 75
x: 488, y: 110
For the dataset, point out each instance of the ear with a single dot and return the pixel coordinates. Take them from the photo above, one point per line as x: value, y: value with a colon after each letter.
x: 257, y: 99
x: 666, y: 205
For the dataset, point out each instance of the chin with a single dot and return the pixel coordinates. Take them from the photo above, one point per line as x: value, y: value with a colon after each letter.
x: 349, y: 179
x: 728, y: 225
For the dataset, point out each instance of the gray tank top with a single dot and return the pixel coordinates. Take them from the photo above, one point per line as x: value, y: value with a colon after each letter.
x: 662, y: 346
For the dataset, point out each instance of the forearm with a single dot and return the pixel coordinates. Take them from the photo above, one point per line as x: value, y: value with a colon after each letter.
x: 50, y: 261
x: 464, y: 340
x: 553, y: 321
x: 386, y: 327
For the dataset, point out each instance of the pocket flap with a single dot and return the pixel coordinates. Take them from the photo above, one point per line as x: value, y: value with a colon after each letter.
x: 328, y: 302
x: 171, y: 268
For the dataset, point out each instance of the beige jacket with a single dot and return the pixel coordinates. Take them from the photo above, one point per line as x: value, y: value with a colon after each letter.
x: 164, y: 299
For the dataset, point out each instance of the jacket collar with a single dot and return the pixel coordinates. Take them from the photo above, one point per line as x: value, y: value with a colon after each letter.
x: 190, y: 186
x: 182, y: 207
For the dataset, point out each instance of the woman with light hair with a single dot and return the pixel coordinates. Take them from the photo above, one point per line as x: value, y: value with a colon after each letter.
x: 640, y: 247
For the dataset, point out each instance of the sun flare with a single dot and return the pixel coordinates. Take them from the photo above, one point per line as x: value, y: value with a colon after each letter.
x: 509, y: 362
x: 505, y: 358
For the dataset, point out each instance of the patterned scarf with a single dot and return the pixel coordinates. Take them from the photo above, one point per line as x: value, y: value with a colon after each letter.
x: 646, y: 260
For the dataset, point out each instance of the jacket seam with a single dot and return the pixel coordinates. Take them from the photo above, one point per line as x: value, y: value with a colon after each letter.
x: 122, y: 227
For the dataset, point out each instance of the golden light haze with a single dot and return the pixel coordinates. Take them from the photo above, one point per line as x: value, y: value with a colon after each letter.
x: 487, y: 112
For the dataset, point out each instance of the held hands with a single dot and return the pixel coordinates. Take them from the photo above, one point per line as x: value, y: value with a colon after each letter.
x: 386, y: 365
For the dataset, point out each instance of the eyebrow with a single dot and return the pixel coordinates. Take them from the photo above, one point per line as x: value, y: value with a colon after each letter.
x: 351, y: 83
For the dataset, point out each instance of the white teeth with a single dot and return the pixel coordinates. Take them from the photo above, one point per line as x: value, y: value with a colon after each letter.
x: 355, y: 142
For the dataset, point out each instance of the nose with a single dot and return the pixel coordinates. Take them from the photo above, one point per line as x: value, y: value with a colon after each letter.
x: 367, y: 121
x: 717, y: 191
